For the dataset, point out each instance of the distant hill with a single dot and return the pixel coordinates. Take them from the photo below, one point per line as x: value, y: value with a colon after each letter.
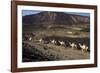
x: 55, y: 18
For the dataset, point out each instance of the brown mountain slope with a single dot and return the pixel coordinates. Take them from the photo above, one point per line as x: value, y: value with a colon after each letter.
x: 55, y: 18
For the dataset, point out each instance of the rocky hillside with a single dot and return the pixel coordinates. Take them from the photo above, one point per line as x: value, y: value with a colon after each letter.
x: 55, y: 18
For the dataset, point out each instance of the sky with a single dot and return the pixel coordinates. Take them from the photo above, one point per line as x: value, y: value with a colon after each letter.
x: 29, y: 12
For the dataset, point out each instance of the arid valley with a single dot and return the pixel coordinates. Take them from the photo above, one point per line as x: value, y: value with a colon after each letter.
x: 54, y: 36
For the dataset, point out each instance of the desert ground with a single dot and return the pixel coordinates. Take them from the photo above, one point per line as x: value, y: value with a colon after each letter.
x: 37, y: 42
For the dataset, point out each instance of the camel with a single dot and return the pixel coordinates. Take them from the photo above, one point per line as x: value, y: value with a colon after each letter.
x: 62, y: 43
x: 30, y: 39
x: 53, y: 41
x: 73, y: 45
x: 40, y: 40
x: 83, y: 47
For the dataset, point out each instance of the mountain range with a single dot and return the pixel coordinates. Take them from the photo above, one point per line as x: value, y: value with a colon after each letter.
x: 55, y: 18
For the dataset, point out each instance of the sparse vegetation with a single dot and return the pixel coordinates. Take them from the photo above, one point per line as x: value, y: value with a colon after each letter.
x: 49, y: 52
x: 56, y: 30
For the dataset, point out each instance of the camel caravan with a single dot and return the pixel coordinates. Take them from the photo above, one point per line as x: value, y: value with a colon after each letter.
x: 80, y: 46
x: 72, y: 45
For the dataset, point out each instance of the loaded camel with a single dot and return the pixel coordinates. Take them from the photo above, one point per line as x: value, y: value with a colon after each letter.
x: 30, y: 38
x: 40, y: 40
x: 62, y: 43
x: 53, y: 41
x: 73, y: 45
x: 83, y: 47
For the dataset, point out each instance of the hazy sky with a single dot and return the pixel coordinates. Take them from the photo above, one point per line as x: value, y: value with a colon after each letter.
x: 29, y: 12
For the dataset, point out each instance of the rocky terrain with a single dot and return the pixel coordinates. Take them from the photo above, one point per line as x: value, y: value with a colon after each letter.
x: 57, y: 26
x: 33, y: 52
